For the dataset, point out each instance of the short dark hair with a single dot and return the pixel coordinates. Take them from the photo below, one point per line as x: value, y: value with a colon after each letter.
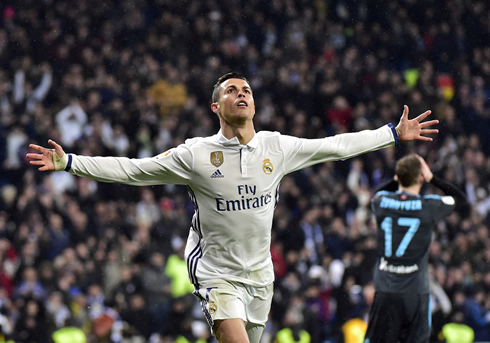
x: 223, y: 78
x: 408, y: 170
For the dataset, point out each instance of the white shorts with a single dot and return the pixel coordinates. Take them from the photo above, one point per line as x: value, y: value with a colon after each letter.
x: 227, y: 300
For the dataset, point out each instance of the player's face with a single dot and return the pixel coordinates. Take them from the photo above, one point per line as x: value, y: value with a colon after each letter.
x: 236, y: 105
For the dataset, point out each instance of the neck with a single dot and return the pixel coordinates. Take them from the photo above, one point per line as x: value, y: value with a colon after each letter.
x: 414, y: 190
x: 244, y: 134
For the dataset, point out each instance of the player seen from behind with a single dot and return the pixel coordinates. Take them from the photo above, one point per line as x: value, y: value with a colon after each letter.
x: 406, y: 219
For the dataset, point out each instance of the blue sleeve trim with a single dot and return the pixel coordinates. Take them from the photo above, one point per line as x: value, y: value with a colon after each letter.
x: 395, y: 134
x: 68, y: 165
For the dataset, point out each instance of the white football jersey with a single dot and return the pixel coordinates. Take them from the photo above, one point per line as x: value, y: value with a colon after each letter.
x: 234, y: 189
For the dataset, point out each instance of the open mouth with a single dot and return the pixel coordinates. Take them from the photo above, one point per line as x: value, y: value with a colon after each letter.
x: 242, y: 104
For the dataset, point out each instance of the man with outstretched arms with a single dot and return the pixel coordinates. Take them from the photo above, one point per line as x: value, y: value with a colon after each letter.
x: 400, y: 312
x: 232, y: 179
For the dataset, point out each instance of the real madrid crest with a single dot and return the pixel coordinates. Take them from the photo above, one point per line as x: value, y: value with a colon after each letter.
x: 217, y: 158
x: 212, y: 307
x: 267, y: 167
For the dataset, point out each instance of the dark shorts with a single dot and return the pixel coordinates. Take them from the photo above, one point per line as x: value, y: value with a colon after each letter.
x: 399, y: 318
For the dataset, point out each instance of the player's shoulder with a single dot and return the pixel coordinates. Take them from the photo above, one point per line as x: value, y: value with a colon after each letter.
x: 270, y: 140
x: 189, y: 147
x: 446, y: 199
x: 378, y: 197
x: 269, y: 134
x: 380, y: 194
x: 384, y: 193
x: 198, y: 143
x: 199, y: 140
x: 273, y: 137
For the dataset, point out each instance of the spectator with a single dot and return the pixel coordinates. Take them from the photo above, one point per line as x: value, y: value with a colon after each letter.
x: 169, y: 93
x: 30, y: 326
x: 156, y: 286
x: 128, y: 285
x: 71, y: 121
x: 29, y: 286
x: 15, y: 140
x: 176, y: 270
x: 476, y: 315
x: 147, y: 209
x: 25, y: 95
x: 313, y: 235
x: 293, y: 330
x: 59, y: 238
x: 57, y: 310
x: 69, y: 335
x: 139, y: 317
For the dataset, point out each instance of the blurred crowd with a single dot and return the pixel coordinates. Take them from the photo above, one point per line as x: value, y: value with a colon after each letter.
x: 134, y: 78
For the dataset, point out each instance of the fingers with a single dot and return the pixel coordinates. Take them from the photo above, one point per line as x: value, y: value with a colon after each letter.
x: 57, y: 147
x: 426, y: 132
x: 405, y: 112
x: 34, y: 156
x: 429, y: 131
x: 38, y: 148
x: 422, y: 161
x: 44, y: 156
x: 429, y: 123
x: 36, y: 163
x: 423, y: 116
x: 53, y: 143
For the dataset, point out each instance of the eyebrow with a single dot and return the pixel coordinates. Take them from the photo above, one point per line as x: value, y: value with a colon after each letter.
x: 235, y: 87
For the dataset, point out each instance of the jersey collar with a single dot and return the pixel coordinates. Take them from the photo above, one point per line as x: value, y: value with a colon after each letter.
x: 253, y: 144
x: 403, y: 192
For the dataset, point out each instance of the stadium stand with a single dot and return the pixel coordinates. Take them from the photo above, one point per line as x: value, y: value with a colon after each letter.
x: 133, y: 78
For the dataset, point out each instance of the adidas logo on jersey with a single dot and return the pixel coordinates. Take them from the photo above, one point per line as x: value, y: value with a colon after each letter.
x: 217, y: 175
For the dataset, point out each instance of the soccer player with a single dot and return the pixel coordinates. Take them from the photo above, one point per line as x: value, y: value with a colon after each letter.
x: 400, y: 311
x: 233, y: 180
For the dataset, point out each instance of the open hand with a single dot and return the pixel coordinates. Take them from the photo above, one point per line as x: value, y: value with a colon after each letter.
x: 49, y: 159
x: 414, y: 129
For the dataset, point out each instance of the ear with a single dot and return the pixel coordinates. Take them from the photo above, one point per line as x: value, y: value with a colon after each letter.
x: 215, y: 107
x: 395, y: 178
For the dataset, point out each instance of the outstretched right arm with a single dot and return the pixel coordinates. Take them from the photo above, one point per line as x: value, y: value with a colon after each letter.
x: 173, y: 167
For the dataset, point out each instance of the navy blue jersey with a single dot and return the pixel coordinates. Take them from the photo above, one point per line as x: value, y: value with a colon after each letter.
x: 405, y: 224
